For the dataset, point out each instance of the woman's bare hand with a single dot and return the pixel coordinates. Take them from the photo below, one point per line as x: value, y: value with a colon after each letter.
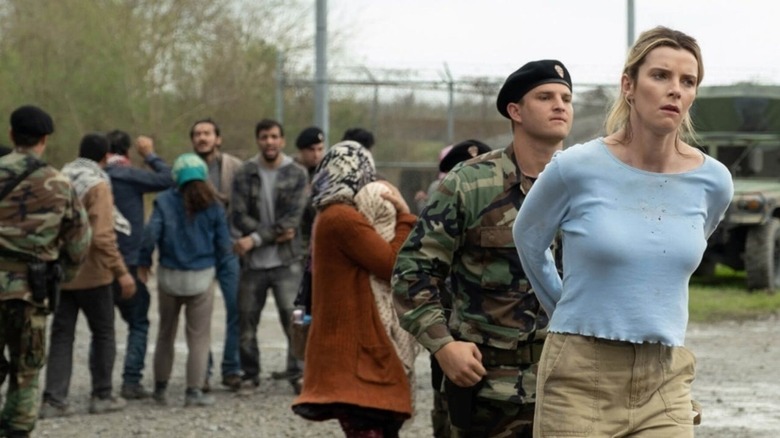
x: 395, y: 198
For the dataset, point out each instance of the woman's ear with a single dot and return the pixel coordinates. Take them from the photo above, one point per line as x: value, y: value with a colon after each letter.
x: 627, y: 87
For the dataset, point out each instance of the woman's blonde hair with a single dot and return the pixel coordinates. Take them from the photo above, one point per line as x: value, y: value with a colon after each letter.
x: 618, y: 117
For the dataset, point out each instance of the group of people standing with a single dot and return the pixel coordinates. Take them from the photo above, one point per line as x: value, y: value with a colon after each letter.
x: 549, y: 286
x: 87, y: 222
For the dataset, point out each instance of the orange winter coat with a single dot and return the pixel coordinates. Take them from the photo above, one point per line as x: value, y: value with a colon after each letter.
x: 349, y: 357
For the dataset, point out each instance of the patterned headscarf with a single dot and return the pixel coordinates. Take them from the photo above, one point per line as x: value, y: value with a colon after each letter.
x: 345, y: 169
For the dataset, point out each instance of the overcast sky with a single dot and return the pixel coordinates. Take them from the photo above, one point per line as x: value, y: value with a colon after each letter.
x: 740, y: 39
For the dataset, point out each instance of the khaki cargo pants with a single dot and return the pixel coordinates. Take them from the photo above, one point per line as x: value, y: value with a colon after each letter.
x: 597, y: 388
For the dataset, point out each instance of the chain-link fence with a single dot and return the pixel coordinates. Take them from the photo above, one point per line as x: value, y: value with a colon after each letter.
x: 415, y: 113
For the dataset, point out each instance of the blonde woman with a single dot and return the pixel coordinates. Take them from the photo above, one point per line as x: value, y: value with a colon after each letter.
x: 635, y: 209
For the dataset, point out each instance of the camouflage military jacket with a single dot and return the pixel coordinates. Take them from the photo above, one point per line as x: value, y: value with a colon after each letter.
x: 41, y: 217
x: 466, y: 232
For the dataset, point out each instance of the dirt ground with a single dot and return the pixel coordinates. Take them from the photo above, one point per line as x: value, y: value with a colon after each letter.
x: 738, y: 383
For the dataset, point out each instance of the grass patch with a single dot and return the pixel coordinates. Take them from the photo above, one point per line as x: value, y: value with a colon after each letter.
x: 725, y: 297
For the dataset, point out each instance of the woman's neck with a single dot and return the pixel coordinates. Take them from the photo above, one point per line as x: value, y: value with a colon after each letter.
x: 651, y: 152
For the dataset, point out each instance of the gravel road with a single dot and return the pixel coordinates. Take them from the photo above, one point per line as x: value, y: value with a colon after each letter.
x: 738, y: 383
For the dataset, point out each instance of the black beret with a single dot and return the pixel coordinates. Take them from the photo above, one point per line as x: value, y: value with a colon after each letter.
x: 462, y: 151
x: 31, y: 120
x: 528, y: 77
x: 309, y: 137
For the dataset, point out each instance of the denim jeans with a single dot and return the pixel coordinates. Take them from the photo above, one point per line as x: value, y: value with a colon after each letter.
x: 135, y: 312
x: 283, y: 281
x: 98, y: 306
x: 231, y: 359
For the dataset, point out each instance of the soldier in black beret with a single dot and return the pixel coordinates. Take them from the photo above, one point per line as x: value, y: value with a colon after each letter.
x: 309, y: 136
x: 489, y: 348
x: 44, y: 235
x: 528, y: 77
x: 29, y: 124
x: 311, y: 148
x: 462, y: 151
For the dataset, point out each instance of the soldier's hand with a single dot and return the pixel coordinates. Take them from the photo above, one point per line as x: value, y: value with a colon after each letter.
x: 461, y: 362
x: 127, y: 284
x: 144, y: 145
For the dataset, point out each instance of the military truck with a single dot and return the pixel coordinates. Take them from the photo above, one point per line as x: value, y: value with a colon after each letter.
x: 740, y: 126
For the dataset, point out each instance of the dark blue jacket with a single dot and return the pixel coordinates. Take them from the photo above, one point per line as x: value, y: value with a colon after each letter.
x: 129, y: 185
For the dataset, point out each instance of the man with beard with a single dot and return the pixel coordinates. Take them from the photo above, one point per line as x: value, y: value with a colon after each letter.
x: 269, y: 195
x: 206, y: 142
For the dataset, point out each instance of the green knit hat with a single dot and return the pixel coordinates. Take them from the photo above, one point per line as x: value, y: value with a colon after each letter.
x: 189, y: 167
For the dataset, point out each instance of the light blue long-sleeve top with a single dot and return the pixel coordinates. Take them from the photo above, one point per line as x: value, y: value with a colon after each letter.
x: 631, y: 240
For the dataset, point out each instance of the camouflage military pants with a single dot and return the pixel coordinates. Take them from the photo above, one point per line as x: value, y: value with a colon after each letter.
x: 23, y: 336
x: 496, y: 419
x: 502, y: 405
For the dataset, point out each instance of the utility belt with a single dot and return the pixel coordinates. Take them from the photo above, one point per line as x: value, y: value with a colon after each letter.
x: 11, y: 266
x: 460, y: 401
x: 43, y: 278
x: 526, y: 353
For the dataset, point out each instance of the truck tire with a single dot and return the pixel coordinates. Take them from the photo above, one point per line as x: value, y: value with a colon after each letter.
x: 762, y: 256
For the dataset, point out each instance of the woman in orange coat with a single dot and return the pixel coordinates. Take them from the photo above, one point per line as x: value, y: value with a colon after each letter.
x: 352, y: 372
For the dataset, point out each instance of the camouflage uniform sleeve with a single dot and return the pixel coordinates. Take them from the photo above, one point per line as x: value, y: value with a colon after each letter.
x: 424, y: 263
x: 75, y: 235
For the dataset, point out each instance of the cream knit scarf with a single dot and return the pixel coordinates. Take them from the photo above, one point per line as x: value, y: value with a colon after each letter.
x: 381, y: 214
